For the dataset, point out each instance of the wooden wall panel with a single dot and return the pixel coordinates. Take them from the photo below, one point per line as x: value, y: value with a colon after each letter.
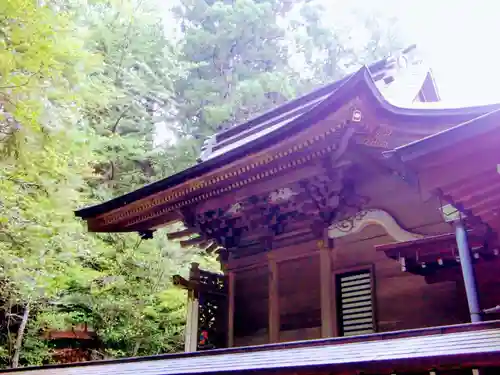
x: 257, y: 338
x: 250, y: 302
x: 300, y: 334
x: 488, y: 285
x: 299, y: 294
x: 403, y: 300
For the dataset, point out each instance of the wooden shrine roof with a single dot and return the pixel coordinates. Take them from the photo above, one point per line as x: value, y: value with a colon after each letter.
x: 463, y: 346
x: 270, y: 126
x: 461, y: 165
x: 399, y: 78
x: 314, y: 130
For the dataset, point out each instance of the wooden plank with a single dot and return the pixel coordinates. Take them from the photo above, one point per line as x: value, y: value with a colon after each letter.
x: 436, y: 177
x: 274, y: 314
x: 192, y: 242
x: 374, y: 298
x: 326, y: 290
x: 211, y: 248
x: 295, y: 251
x: 332, y: 277
x: 180, y: 234
x: 230, y: 311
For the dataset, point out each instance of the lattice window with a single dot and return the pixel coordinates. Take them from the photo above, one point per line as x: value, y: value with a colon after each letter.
x: 355, y: 303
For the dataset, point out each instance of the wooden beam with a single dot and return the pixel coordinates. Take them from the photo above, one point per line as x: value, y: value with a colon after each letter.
x: 274, y: 314
x: 180, y: 234
x: 192, y: 242
x: 230, y: 311
x: 326, y: 290
x: 263, y: 186
x: 181, y: 282
x: 153, y: 223
x: 211, y: 248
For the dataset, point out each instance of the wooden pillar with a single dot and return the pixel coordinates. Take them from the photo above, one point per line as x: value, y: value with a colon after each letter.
x: 274, y: 314
x: 230, y: 309
x: 191, y: 331
x: 326, y: 290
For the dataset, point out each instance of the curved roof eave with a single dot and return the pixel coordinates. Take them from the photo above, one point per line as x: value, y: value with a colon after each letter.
x: 436, y: 142
x: 319, y: 111
x: 424, y: 111
x: 350, y: 87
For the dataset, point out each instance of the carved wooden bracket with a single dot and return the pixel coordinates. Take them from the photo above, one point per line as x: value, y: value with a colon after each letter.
x: 334, y: 196
x: 364, y: 218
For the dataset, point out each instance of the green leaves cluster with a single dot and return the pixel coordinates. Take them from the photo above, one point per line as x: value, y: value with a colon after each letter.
x: 100, y: 97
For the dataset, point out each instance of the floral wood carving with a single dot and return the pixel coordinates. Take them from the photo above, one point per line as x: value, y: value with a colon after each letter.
x: 364, y: 218
x: 325, y: 193
x: 334, y: 196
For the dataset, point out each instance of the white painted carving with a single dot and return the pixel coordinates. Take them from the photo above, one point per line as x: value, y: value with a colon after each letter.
x: 234, y: 209
x: 281, y: 195
x: 365, y: 218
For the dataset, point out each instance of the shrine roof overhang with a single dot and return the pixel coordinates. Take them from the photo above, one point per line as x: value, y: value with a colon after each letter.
x: 187, y: 182
x: 460, y: 165
x: 425, y: 256
x: 398, y: 82
x: 463, y: 346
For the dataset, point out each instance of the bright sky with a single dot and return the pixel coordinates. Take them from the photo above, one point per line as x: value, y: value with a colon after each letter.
x: 457, y: 39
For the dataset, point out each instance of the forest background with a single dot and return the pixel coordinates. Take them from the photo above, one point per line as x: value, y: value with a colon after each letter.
x: 99, y: 97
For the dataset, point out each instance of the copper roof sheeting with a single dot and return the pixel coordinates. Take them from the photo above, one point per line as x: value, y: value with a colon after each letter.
x: 398, y: 85
x: 430, y: 348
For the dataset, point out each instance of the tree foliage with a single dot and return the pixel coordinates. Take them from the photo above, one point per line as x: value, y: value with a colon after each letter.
x: 86, y: 90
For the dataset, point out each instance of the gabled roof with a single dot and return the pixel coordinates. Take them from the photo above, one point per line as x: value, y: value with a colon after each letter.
x: 464, y: 346
x: 399, y: 78
x: 292, y: 118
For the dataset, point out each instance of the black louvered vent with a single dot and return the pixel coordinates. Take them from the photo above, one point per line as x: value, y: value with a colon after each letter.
x: 354, y: 291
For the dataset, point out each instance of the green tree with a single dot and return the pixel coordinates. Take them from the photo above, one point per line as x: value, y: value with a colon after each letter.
x: 84, y: 87
x: 132, y: 306
x: 329, y: 48
x: 139, y: 68
x: 241, y: 63
x: 43, y: 65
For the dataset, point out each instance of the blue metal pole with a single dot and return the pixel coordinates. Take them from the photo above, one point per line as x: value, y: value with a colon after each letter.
x: 467, y: 272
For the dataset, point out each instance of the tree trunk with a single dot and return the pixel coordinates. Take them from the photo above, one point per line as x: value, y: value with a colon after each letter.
x: 136, y: 347
x: 20, y: 336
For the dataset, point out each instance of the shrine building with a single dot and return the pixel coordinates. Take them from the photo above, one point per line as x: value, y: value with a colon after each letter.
x: 356, y: 228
